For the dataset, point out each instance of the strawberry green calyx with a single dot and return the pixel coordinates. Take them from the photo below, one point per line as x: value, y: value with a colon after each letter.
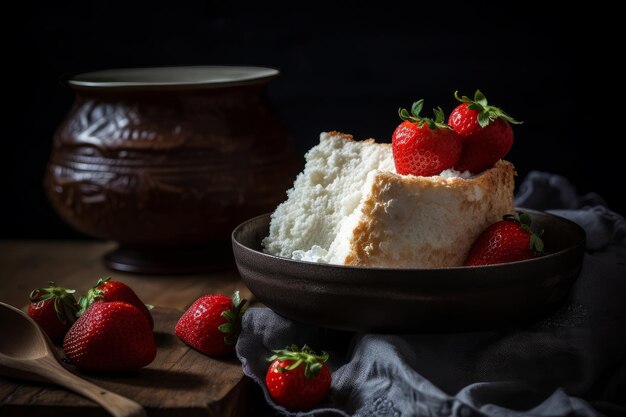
x: 416, y: 108
x: 312, y: 361
x: 92, y: 295
x: 98, y: 291
x: 486, y: 113
x: 525, y: 221
x: 233, y: 316
x: 65, y: 304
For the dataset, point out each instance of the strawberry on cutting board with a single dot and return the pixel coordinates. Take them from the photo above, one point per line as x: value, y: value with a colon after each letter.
x: 106, y: 290
x: 422, y: 146
x: 110, y: 337
x: 54, y: 309
x: 298, y: 379
x: 485, y: 131
x: 508, y: 240
x: 212, y: 323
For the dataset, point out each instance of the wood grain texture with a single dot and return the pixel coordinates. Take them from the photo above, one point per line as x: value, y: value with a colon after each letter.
x: 25, y: 265
x: 180, y: 382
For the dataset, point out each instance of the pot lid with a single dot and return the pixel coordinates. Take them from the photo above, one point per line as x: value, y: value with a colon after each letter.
x: 172, y: 77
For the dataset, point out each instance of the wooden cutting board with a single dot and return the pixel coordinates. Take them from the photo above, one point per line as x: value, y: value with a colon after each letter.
x: 180, y: 382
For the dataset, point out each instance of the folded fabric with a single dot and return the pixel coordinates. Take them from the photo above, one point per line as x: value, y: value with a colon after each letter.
x: 571, y: 363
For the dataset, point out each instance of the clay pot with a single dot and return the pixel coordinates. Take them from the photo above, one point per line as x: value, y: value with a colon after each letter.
x: 167, y: 161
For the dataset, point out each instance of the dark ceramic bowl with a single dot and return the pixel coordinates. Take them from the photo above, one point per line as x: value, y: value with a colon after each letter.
x: 412, y: 300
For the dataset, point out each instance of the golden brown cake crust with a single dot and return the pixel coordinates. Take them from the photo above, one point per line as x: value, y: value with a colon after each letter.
x: 451, y: 213
x: 350, y: 138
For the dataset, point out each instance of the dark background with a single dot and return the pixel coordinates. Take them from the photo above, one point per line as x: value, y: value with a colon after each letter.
x: 345, y: 67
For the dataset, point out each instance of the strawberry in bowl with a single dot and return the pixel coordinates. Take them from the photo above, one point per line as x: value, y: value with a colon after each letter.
x: 508, y: 240
x: 424, y: 146
x: 485, y: 131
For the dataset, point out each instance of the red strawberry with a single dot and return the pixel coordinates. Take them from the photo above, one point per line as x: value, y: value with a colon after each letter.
x: 212, y: 323
x: 110, y: 337
x: 423, y: 146
x: 54, y: 309
x: 109, y: 290
x: 508, y: 240
x: 298, y: 379
x: 485, y: 130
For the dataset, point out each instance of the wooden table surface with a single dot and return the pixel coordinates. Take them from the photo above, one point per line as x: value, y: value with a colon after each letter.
x: 25, y: 265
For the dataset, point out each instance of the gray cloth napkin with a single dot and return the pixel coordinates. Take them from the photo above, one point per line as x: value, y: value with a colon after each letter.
x: 572, y: 363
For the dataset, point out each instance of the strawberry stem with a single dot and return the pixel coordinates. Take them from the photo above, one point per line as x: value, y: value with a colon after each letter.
x: 232, y: 327
x: 525, y: 222
x: 92, y: 295
x: 65, y: 305
x: 414, y: 116
x: 486, y: 113
x: 306, y: 355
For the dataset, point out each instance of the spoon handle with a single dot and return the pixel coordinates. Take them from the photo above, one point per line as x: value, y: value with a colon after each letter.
x: 115, y: 404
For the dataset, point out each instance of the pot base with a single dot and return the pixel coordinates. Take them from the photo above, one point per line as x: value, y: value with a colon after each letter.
x: 170, y: 260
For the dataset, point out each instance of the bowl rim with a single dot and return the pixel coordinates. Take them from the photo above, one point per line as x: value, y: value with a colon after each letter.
x: 579, y: 243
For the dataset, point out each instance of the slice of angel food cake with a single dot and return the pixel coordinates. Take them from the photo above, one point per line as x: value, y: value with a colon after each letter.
x: 349, y: 206
x: 419, y: 202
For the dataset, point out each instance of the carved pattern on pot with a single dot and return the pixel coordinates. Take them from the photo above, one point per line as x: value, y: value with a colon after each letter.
x: 176, y: 168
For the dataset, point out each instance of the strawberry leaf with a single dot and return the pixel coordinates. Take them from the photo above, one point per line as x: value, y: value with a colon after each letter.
x: 315, y: 367
x: 64, y: 303
x: 306, y: 355
x: 487, y: 113
x: 229, y: 315
x: 463, y: 99
x: 524, y: 218
x: 437, y: 123
x: 416, y: 108
x: 483, y: 119
x: 236, y: 298
x: 480, y: 98
x: 404, y: 114
x: 102, y: 281
x: 59, y: 310
x: 233, y: 316
x: 536, y: 244
x: 225, y: 328
x: 503, y: 115
x: 295, y: 364
x: 92, y: 295
x: 439, y: 115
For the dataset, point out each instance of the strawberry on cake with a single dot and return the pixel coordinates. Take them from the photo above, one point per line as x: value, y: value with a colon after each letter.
x: 401, y: 205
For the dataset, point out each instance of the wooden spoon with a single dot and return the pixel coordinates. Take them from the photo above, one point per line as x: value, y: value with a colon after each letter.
x: 27, y: 353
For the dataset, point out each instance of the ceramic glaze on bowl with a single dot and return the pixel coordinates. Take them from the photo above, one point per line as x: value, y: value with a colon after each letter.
x: 412, y: 300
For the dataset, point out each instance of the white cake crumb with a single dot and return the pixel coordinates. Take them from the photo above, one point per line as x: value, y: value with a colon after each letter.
x: 328, y: 190
x: 453, y: 173
x: 350, y: 207
x: 315, y: 254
